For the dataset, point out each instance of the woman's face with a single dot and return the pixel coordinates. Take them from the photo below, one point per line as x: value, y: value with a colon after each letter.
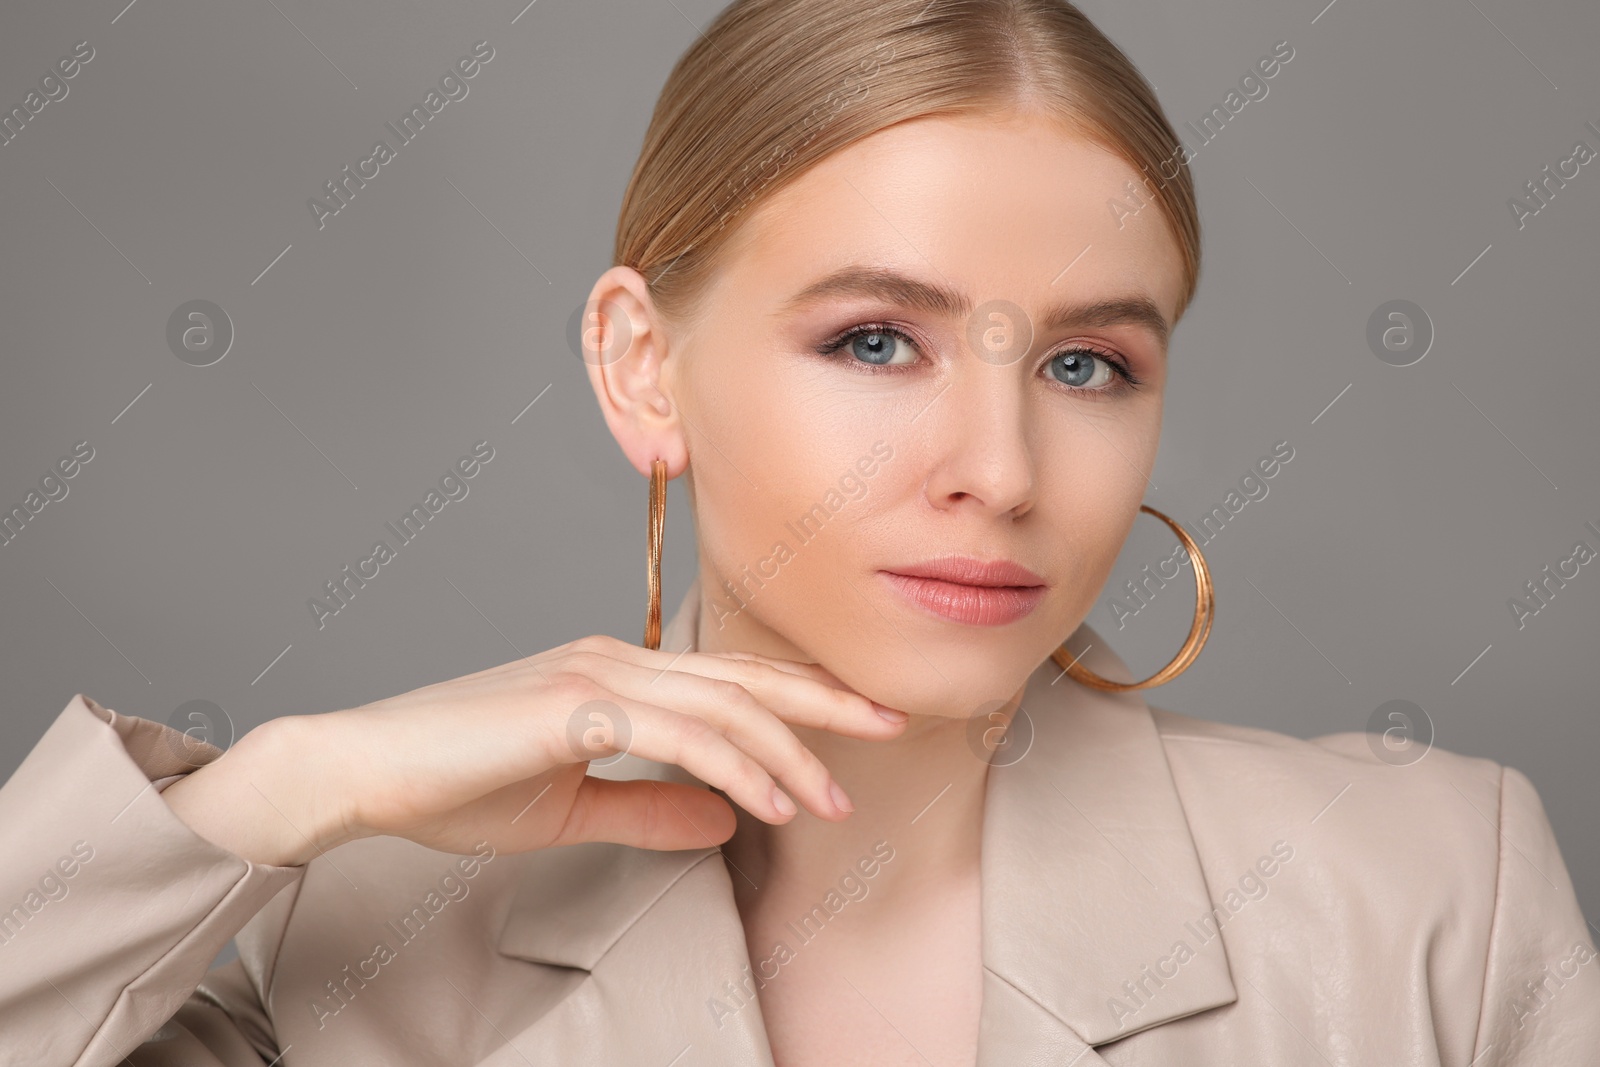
x: 978, y: 409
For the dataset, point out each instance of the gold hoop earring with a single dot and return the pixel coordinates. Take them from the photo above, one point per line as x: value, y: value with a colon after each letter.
x: 1204, y: 611
x: 658, y: 526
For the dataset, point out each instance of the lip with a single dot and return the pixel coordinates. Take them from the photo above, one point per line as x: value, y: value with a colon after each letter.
x: 967, y: 570
x: 968, y: 590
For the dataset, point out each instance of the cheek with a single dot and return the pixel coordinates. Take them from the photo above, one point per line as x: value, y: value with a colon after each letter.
x: 1092, y: 480
x: 775, y: 463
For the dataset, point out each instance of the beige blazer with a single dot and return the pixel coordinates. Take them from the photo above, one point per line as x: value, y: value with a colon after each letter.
x: 1157, y: 890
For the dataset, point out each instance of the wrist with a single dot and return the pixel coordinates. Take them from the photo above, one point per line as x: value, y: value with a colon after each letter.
x: 264, y: 799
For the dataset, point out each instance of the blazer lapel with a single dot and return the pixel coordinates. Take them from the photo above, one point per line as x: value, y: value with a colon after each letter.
x: 1094, y: 903
x: 661, y: 939
x: 1095, y: 906
x: 659, y: 934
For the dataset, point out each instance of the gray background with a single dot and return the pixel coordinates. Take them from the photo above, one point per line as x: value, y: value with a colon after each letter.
x: 435, y: 308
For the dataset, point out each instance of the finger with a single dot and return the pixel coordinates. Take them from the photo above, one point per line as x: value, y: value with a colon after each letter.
x: 646, y: 813
x: 750, y: 724
x: 795, y: 693
x: 815, y: 698
x: 814, y: 671
x: 665, y: 659
x: 751, y: 703
x: 658, y: 733
x: 792, y: 666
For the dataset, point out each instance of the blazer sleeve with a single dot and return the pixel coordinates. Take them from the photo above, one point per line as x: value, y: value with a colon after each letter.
x: 112, y: 908
x: 1541, y: 992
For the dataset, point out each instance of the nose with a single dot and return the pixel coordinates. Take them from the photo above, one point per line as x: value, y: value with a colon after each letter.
x: 985, y: 458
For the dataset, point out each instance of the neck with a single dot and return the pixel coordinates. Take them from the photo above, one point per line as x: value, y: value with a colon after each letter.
x: 920, y: 795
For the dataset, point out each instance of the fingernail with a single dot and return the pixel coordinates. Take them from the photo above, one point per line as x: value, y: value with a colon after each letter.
x: 894, y: 715
x: 839, y: 797
x: 781, y: 801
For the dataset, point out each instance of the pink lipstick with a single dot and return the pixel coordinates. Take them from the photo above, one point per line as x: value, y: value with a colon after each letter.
x: 968, y: 590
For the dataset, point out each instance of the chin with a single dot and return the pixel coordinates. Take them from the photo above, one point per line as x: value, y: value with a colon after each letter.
x: 942, y: 685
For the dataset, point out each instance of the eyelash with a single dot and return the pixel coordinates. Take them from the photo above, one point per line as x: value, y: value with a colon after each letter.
x: 1126, y: 379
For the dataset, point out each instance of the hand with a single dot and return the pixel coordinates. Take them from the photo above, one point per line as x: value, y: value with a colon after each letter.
x: 501, y: 755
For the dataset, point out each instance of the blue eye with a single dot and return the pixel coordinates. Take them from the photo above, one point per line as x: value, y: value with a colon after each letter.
x: 876, y: 348
x: 1079, y: 367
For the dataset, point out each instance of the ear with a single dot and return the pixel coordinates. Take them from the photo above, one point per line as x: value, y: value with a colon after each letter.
x: 624, y: 349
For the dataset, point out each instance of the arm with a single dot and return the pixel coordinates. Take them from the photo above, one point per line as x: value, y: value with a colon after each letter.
x: 128, y: 892
x: 1541, y: 993
x: 112, y: 907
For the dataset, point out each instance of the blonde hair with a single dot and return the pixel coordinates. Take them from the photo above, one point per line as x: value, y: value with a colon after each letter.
x: 774, y: 86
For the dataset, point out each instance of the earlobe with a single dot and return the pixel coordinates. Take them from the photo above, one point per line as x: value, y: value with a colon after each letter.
x: 624, y: 352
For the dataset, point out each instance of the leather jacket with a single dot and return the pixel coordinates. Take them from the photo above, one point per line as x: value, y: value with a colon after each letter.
x: 1157, y: 890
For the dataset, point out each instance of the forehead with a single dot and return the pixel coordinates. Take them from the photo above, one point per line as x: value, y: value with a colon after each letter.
x: 1016, y: 206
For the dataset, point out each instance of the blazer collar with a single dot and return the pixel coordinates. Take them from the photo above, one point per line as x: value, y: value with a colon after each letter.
x: 1090, y: 884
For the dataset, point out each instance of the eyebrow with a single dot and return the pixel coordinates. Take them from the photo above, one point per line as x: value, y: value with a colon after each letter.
x: 890, y: 285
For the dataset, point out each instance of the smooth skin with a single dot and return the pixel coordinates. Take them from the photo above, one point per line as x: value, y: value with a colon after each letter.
x: 488, y: 756
x: 1014, y: 458
x: 991, y: 457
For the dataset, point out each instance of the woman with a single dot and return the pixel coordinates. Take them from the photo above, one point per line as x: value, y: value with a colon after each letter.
x: 875, y: 299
